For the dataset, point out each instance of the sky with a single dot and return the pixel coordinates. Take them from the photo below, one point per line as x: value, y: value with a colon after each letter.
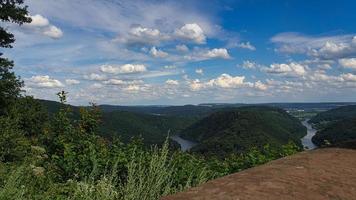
x: 135, y: 52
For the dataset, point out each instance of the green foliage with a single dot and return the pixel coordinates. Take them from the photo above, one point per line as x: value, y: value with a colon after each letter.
x: 323, y: 119
x: 13, y: 144
x: 335, y: 127
x: 153, y: 129
x: 244, y: 128
x: 335, y: 133
x: 10, y: 85
x: 31, y: 116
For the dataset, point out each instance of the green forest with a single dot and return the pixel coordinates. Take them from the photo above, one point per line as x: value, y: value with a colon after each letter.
x: 336, y: 127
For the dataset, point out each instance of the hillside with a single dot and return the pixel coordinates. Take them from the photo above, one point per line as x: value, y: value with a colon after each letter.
x: 243, y: 128
x: 182, y: 111
x: 336, y: 133
x: 152, y: 128
x: 344, y: 112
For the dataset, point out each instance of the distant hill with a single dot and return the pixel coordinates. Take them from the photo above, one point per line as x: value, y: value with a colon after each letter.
x: 322, y: 119
x: 242, y: 128
x: 183, y: 111
x: 336, y: 133
x: 152, y: 128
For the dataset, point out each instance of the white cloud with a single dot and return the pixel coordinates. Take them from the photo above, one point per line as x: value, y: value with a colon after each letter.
x: 249, y: 64
x: 38, y: 21
x: 158, y: 53
x: 132, y: 88
x: 206, y: 54
x: 182, y: 48
x: 43, y: 82
x: 72, y: 82
x: 217, y: 53
x: 199, y: 71
x: 247, y: 45
x: 192, y: 32
x: 95, y: 77
x: 196, y: 85
x: 172, y: 82
x: 349, y: 77
x: 139, y: 35
x: 53, y: 32
x: 291, y: 69
x: 123, y: 69
x: 122, y: 82
x: 325, y: 47
x: 348, y: 63
x: 260, y: 86
x: 41, y: 24
x: 169, y: 67
x: 227, y: 81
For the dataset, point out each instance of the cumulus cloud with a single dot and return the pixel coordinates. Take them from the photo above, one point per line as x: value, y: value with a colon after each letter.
x: 227, y: 81
x: 53, y: 32
x: 123, y: 69
x: 196, y: 85
x: 246, y: 64
x: 206, y: 54
x: 246, y: 45
x: 260, y: 86
x: 169, y: 67
x: 349, y: 77
x: 348, y: 63
x: 158, y: 53
x: 72, y: 82
x: 191, y: 32
x: 291, y: 69
x: 199, y: 71
x: 43, y: 82
x: 172, y: 82
x: 41, y: 24
x: 95, y: 77
x: 325, y: 47
x: 182, y: 48
x: 217, y: 53
x: 38, y: 21
x: 139, y: 35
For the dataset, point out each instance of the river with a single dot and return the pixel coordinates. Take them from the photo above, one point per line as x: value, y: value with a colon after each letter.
x: 185, y: 145
x: 306, y: 140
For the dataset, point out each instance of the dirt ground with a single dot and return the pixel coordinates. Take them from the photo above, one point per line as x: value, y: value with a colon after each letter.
x: 317, y: 174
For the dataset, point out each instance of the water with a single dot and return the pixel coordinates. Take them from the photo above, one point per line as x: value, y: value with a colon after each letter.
x: 185, y: 145
x: 306, y: 140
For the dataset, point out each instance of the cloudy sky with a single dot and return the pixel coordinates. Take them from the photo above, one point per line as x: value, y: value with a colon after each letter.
x: 134, y: 52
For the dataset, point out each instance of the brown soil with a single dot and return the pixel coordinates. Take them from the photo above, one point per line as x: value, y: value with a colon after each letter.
x: 318, y: 174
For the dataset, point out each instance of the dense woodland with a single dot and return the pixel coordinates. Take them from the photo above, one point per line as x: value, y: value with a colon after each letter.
x: 335, y: 127
x: 241, y: 129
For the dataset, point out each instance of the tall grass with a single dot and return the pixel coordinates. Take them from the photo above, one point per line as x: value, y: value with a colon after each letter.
x: 150, y: 175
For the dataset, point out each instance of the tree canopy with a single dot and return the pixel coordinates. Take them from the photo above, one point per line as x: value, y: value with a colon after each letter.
x: 11, y: 11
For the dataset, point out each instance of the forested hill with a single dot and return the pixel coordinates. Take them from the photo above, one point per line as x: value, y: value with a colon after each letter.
x: 153, y: 129
x: 336, y: 133
x: 334, y: 115
x: 243, y: 128
x: 336, y: 126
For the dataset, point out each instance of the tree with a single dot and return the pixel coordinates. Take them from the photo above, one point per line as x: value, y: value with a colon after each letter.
x: 10, y: 85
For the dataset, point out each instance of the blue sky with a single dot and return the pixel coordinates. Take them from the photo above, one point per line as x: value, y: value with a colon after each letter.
x: 179, y: 52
